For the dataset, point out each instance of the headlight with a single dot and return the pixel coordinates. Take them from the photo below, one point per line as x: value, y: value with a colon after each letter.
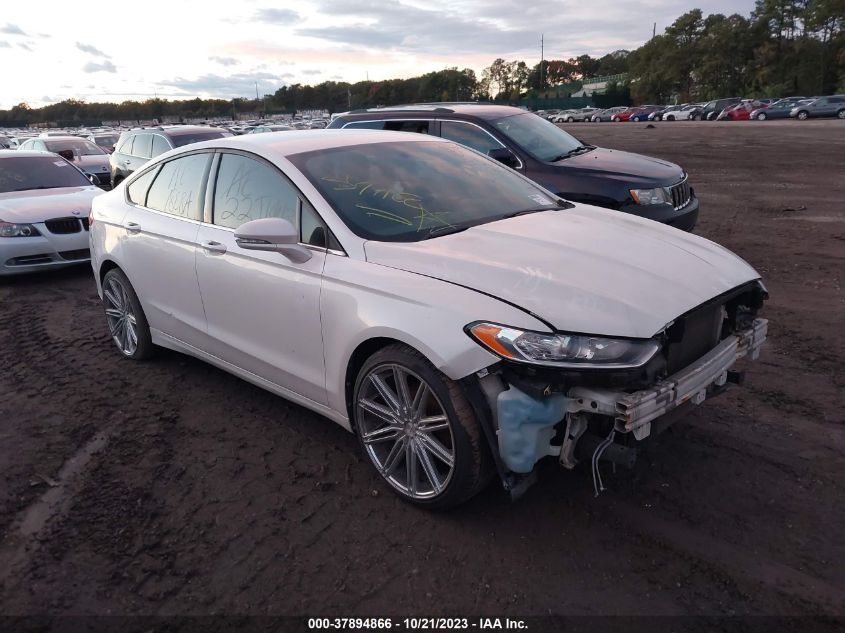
x: 9, y: 229
x: 573, y: 351
x: 651, y: 196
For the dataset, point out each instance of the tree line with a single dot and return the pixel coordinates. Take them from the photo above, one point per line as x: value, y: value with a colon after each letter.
x: 783, y: 48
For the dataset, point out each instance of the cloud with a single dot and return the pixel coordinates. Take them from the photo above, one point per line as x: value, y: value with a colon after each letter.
x: 228, y: 86
x: 12, y: 29
x: 105, y: 67
x: 5, y: 45
x: 25, y: 46
x: 91, y: 50
x: 277, y: 16
x: 224, y: 61
x: 312, y: 72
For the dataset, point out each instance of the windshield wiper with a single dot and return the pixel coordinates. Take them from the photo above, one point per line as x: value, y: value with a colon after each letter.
x: 446, y: 229
x: 576, y: 150
x: 550, y: 207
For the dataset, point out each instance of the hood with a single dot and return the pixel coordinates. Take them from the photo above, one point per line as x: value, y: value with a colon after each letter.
x: 38, y: 205
x: 584, y: 270
x: 93, y: 164
x: 623, y: 167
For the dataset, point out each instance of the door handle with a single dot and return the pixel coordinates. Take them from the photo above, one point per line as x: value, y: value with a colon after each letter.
x: 214, y: 247
x: 132, y: 227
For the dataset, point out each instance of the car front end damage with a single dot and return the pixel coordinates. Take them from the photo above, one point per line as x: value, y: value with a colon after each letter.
x: 532, y: 412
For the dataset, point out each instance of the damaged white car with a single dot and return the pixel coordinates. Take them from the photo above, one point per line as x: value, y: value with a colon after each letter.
x: 462, y: 321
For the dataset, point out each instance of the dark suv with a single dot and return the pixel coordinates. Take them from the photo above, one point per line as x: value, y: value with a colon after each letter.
x: 543, y: 152
x: 136, y: 147
x: 712, y: 109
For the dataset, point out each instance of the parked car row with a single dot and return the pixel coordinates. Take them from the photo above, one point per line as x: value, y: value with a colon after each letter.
x: 728, y: 109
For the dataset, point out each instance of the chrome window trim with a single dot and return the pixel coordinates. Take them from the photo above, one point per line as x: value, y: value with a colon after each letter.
x: 386, y: 120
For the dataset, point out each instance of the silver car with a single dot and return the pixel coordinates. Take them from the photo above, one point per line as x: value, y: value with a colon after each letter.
x: 833, y: 106
x: 86, y: 155
x: 461, y: 320
x: 44, y: 207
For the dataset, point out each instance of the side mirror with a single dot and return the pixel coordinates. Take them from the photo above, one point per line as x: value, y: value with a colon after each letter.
x: 504, y: 156
x: 66, y: 154
x: 94, y: 180
x: 272, y: 234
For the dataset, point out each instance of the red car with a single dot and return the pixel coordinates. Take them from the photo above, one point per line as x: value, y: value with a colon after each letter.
x: 741, y: 111
x: 625, y: 114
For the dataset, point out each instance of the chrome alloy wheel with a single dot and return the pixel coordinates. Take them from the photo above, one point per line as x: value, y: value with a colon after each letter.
x: 120, y: 316
x: 405, y: 431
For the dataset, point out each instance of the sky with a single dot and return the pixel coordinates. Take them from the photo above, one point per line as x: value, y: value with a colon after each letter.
x: 54, y: 49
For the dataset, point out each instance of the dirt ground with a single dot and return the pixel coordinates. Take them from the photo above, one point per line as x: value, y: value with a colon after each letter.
x: 170, y: 487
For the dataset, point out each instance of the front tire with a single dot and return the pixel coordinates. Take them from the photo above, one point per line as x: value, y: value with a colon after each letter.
x: 127, y: 323
x: 418, y: 430
x: 803, y: 115
x: 570, y: 120
x: 840, y: 114
x: 761, y: 116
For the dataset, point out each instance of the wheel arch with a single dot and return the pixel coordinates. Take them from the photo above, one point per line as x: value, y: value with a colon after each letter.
x: 363, y: 351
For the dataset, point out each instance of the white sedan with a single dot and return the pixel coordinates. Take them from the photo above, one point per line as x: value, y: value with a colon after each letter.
x: 44, y: 207
x: 462, y: 321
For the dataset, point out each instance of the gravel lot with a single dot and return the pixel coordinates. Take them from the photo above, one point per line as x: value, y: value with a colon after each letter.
x: 170, y: 487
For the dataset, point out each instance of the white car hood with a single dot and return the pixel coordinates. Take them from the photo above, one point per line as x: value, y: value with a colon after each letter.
x: 37, y: 205
x: 584, y: 270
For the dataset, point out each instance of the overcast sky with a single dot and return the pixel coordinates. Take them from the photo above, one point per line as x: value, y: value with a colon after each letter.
x: 55, y: 49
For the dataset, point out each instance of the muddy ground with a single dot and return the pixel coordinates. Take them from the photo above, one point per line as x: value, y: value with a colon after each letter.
x: 170, y: 487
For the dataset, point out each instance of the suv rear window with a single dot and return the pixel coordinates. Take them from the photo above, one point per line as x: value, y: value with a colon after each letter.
x: 179, y: 140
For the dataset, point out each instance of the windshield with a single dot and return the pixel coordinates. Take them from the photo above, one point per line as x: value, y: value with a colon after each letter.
x: 80, y: 147
x: 38, y: 172
x: 409, y: 191
x: 108, y: 140
x: 196, y: 137
x: 541, y: 138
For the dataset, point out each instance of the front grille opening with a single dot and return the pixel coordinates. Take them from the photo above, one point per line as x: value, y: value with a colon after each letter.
x: 80, y: 253
x: 692, y: 336
x: 63, y: 226
x: 681, y: 194
x: 28, y: 260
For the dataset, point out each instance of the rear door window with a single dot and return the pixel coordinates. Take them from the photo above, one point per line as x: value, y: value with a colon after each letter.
x: 178, y: 189
x: 142, y: 147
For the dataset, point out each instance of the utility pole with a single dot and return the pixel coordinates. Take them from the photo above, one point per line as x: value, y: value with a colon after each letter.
x: 654, y: 30
x: 542, y: 54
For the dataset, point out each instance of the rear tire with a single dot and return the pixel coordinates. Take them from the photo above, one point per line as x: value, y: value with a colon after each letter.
x: 570, y: 120
x: 418, y: 431
x: 127, y: 322
x: 671, y: 117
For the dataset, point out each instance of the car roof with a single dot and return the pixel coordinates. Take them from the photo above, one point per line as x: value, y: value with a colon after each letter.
x: 67, y: 137
x: 299, y: 141
x: 480, y: 110
x: 22, y: 153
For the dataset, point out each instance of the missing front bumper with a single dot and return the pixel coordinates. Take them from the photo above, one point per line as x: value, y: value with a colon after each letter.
x: 634, y: 412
